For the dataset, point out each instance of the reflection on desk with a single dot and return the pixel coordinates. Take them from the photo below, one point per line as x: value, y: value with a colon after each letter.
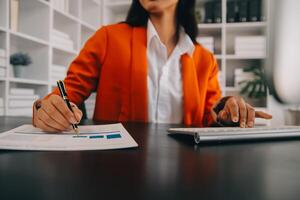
x: 163, y: 167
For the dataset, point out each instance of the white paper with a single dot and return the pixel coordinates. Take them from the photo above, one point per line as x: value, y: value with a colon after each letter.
x: 96, y: 137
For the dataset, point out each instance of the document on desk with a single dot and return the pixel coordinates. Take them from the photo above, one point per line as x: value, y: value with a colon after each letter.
x: 96, y: 137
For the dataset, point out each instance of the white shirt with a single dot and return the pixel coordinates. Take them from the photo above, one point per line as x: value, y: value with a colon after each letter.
x: 165, y: 95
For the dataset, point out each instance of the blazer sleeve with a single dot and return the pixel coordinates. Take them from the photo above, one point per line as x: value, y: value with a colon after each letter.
x: 84, y: 72
x: 213, y: 95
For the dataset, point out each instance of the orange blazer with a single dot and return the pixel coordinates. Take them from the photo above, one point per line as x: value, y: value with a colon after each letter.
x: 113, y: 63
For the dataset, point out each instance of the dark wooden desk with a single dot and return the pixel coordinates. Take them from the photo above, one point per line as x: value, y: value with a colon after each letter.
x: 162, y: 167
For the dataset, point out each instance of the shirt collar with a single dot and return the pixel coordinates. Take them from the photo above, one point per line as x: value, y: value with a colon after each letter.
x: 185, y: 43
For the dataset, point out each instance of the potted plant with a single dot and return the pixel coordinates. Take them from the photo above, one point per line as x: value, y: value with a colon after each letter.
x: 19, y: 61
x: 256, y: 88
x: 292, y: 116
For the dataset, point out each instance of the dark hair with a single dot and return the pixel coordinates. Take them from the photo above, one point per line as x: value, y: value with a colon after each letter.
x: 185, y: 17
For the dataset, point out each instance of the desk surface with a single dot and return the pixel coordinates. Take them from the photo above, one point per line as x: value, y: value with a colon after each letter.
x: 163, y: 167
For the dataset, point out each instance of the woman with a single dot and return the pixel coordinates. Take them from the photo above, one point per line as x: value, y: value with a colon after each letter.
x: 150, y: 69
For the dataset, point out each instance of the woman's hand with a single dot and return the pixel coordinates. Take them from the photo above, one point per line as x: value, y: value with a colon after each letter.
x: 53, y: 115
x: 236, y: 112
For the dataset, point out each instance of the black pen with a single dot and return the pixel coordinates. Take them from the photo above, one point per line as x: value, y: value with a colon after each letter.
x: 62, y: 90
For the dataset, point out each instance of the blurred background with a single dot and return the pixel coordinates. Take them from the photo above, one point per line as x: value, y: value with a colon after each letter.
x: 39, y: 39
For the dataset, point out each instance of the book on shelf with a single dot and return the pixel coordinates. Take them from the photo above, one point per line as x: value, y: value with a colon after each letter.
x: 60, y: 34
x: 250, y: 48
x: 65, y: 44
x: 20, y: 103
x: 2, y: 62
x: 209, y: 11
x: 251, y: 39
x: 231, y: 11
x: 218, y: 12
x: 24, y: 97
x: 58, y: 69
x: 27, y: 112
x: 250, y: 45
x: 207, y: 42
x: 58, y: 72
x: 21, y: 91
x: 2, y: 53
x: 62, y: 39
x: 14, y: 15
x: 251, y: 54
x: 243, y: 10
x: 255, y: 8
x: 2, y: 72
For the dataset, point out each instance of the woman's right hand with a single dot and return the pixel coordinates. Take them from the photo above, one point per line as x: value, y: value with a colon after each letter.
x: 53, y: 115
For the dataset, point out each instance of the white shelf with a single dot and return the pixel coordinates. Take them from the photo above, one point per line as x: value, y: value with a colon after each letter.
x: 242, y: 57
x: 88, y: 26
x: 246, y: 25
x: 69, y: 51
x: 28, y: 81
x: 224, y: 35
x: 36, y: 20
x: 66, y: 15
x: 29, y: 38
x: 210, y: 26
x: 218, y: 56
x: 83, y: 18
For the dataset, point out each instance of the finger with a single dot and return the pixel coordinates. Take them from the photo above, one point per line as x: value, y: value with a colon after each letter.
x: 224, y: 116
x: 40, y: 124
x: 78, y: 114
x: 263, y: 115
x: 60, y: 105
x: 43, y: 116
x: 233, y: 108
x: 55, y: 114
x: 251, y: 116
x: 242, y: 112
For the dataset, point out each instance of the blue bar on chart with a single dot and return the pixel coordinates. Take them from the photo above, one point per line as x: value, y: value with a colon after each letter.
x: 113, y: 136
x: 79, y: 136
x: 96, y: 137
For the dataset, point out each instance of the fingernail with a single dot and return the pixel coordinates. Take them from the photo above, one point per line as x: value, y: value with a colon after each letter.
x: 78, y: 116
x: 250, y: 124
x: 242, y: 125
x: 235, y: 119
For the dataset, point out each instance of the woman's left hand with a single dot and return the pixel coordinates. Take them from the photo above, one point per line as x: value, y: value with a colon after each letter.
x: 236, y: 112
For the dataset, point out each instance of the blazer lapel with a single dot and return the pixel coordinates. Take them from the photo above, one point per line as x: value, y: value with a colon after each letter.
x: 139, y: 71
x: 191, y: 95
